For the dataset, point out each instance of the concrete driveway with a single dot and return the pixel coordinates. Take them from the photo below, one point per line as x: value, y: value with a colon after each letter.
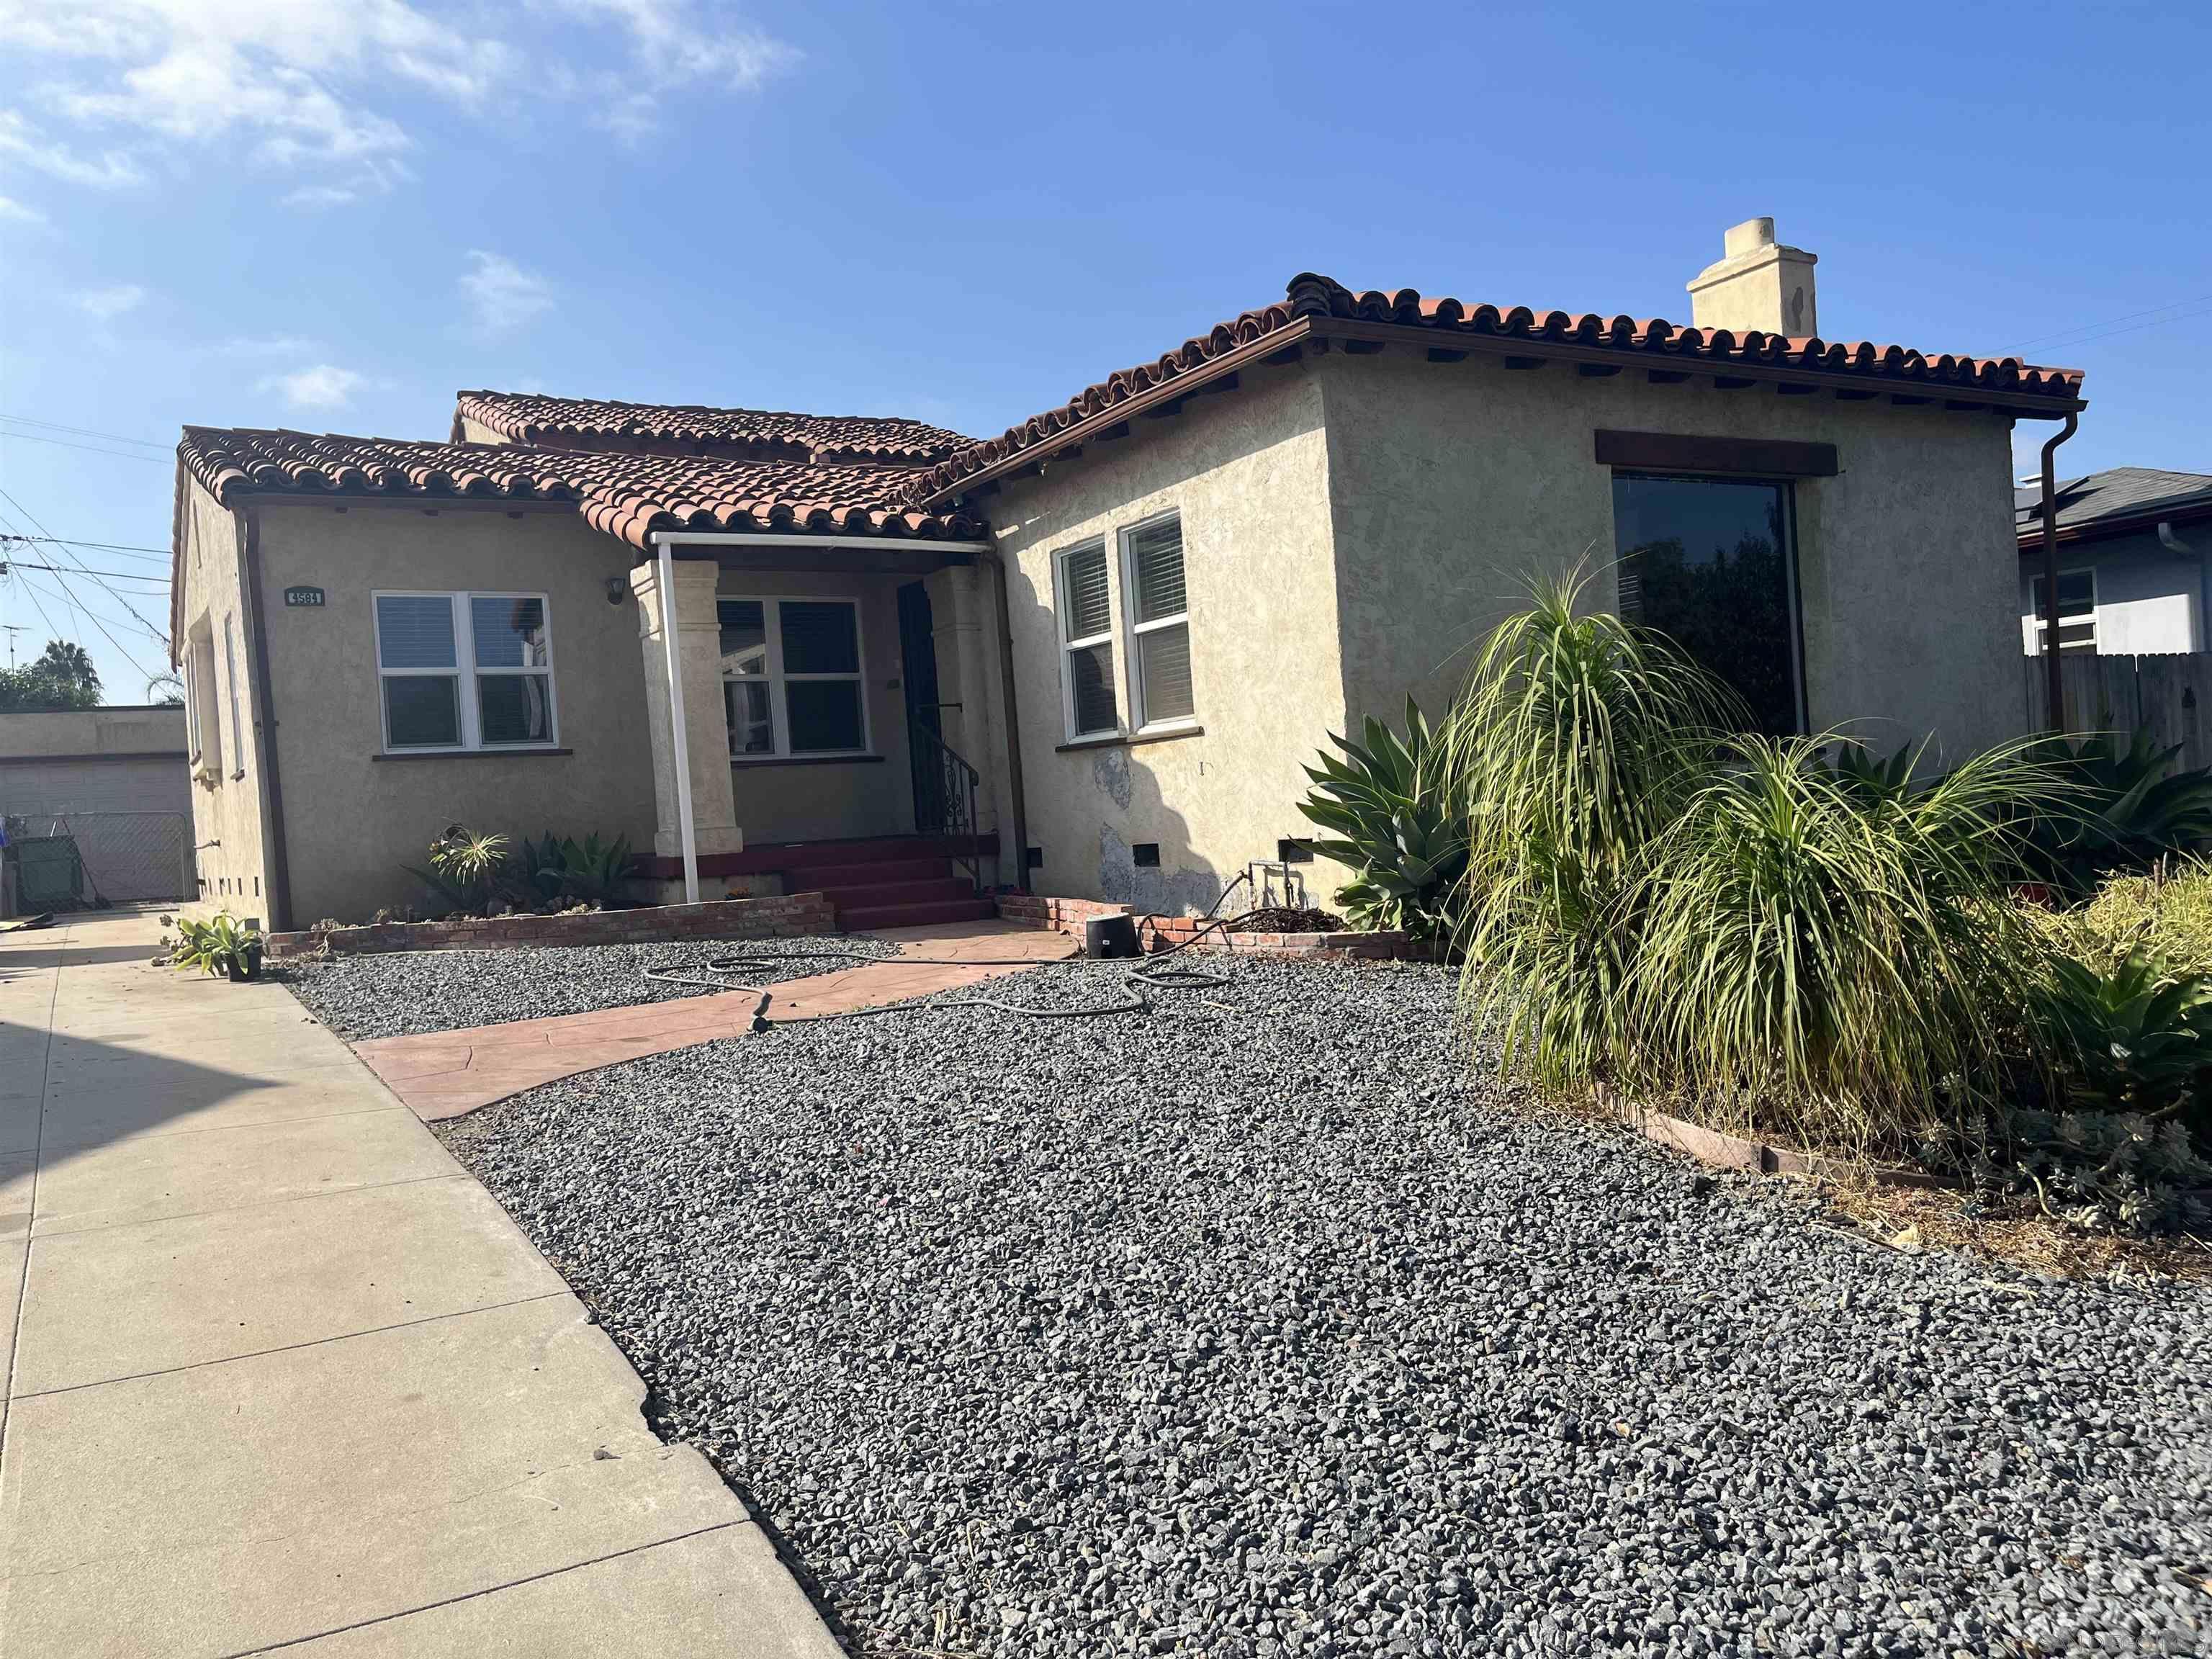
x: 283, y: 1377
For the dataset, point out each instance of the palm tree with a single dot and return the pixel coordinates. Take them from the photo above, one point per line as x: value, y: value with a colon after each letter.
x: 67, y: 664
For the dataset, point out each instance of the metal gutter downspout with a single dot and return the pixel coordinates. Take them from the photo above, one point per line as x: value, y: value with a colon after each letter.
x: 997, y: 560
x: 2054, y: 675
x: 265, y: 726
x: 679, y: 732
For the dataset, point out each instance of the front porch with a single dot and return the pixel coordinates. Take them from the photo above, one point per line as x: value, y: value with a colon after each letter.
x: 842, y: 706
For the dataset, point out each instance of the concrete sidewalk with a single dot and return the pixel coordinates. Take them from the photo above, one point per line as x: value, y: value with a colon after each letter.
x: 280, y: 1374
x: 445, y: 1073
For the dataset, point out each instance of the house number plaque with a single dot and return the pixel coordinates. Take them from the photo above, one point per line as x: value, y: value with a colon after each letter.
x: 307, y: 596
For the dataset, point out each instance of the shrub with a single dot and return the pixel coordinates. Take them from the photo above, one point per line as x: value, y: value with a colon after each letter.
x: 1835, y: 948
x: 1574, y: 746
x: 2132, y: 1037
x: 557, y: 867
x: 1390, y: 823
x: 2100, y: 1171
x: 464, y: 866
x: 2167, y: 912
x: 220, y: 945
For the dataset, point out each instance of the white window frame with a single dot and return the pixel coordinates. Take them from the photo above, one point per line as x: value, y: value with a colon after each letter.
x: 1068, y: 646
x: 230, y: 683
x: 2035, y: 618
x: 779, y: 710
x: 465, y: 669
x: 1133, y: 629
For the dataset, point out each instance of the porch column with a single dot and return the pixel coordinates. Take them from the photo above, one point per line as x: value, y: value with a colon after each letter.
x: 706, y: 746
x: 964, y: 622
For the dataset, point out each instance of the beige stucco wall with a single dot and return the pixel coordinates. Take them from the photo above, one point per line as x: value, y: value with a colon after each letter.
x: 1451, y: 482
x: 353, y: 820
x: 108, y: 731
x: 228, y: 804
x: 819, y: 801
x: 1247, y: 471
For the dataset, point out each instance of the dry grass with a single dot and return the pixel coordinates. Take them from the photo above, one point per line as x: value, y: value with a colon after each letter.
x: 2170, y: 910
x: 2016, y: 1234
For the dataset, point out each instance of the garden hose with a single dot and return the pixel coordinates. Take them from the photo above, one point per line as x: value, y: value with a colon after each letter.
x: 1136, y: 982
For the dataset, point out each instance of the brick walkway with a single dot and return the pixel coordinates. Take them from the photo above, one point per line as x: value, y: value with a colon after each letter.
x: 445, y: 1073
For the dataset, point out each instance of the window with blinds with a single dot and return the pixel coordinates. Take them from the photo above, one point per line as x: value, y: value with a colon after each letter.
x: 1086, y: 640
x: 1159, y: 623
x: 464, y: 670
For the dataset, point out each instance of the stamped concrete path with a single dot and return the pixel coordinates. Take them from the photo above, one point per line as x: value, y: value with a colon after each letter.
x: 445, y: 1073
x: 283, y: 1377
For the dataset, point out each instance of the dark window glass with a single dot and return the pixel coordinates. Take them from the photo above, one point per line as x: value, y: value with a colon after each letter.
x: 1706, y: 561
x: 819, y: 639
x: 745, y: 637
x: 825, y: 714
x: 422, y: 711
x: 509, y: 633
x: 415, y: 630
x: 1091, y: 671
x: 514, y: 707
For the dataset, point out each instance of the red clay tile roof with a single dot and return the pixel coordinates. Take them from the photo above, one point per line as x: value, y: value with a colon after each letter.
x: 748, y: 435
x: 1317, y: 302
x: 626, y: 495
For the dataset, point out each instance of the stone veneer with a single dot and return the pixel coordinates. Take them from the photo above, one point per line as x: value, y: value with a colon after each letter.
x: 788, y: 916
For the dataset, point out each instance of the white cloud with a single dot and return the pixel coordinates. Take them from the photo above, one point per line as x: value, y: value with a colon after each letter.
x: 501, y: 296
x: 104, y: 305
x: 265, y: 345
x: 323, y: 385
x: 23, y: 213
x: 317, y: 87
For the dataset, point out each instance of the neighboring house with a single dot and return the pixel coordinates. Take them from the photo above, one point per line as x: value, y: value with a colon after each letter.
x: 1134, y: 617
x: 100, y: 799
x: 2135, y: 562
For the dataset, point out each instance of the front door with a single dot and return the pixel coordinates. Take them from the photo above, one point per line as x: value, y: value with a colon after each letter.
x: 918, y: 672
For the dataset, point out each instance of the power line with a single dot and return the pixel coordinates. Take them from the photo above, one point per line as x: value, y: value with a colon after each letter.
x: 159, y: 637
x: 93, y: 616
x: 95, y: 449
x: 161, y: 553
x: 2127, y: 322
x: 121, y: 575
x: 84, y: 431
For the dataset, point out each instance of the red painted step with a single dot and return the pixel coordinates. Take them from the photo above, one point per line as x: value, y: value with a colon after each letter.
x: 875, y: 895
x: 869, y: 918
x: 821, y: 878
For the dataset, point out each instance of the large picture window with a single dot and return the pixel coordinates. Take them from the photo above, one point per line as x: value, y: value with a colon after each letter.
x: 466, y: 671
x: 1086, y: 640
x: 1709, y: 562
x: 1159, y: 623
x: 792, y: 683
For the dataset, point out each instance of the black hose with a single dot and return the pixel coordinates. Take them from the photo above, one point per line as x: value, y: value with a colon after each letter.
x: 1135, y: 981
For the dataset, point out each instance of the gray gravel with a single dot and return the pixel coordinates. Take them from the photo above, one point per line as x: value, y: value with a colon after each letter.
x: 380, y: 996
x: 1253, y: 1327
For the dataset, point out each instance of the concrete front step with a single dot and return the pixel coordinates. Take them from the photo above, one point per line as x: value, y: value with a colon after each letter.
x: 821, y: 878
x: 869, y: 918
x: 875, y: 894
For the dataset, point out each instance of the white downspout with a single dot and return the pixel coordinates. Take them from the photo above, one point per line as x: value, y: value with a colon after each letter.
x: 681, y: 731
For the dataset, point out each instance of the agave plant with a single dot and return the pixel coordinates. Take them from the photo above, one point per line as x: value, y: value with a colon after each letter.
x: 464, y: 866
x: 560, y: 867
x: 2115, y: 808
x: 1386, y: 810
x: 2135, y: 1037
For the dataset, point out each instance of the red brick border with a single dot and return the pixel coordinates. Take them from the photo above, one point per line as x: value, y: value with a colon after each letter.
x: 1067, y: 915
x: 1726, y: 1151
x: 787, y: 917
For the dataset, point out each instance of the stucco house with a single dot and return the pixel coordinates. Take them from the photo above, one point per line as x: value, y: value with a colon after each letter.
x: 2135, y: 570
x: 1118, y: 628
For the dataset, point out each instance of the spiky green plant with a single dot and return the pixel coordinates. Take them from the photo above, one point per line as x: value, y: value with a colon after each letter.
x: 1831, y: 953
x: 464, y: 866
x: 2135, y: 1035
x: 1391, y: 825
x: 1573, y: 746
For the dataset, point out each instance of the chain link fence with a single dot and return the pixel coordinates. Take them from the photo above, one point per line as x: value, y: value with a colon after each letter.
x: 89, y: 860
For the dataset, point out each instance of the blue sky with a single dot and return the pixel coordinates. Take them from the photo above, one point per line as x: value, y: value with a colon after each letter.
x: 331, y: 214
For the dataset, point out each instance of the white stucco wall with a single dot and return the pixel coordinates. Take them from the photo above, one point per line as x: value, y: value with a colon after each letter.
x: 1451, y: 483
x: 1247, y: 472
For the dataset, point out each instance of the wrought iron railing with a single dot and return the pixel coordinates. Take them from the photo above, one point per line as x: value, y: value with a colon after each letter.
x: 944, y: 797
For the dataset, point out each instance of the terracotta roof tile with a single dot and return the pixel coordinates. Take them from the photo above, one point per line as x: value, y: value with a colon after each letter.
x: 625, y: 495
x: 754, y: 434
x: 1320, y: 298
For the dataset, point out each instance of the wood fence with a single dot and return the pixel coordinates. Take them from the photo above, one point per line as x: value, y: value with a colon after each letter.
x: 2169, y: 696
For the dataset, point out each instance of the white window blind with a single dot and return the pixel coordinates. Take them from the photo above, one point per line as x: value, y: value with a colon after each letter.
x: 505, y: 700
x: 1159, y: 623
x: 1086, y: 638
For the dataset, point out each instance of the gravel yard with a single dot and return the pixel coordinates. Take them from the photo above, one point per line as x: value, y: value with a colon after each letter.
x: 393, y: 995
x: 1254, y: 1327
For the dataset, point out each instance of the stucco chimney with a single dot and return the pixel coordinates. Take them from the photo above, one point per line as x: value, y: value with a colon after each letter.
x: 1756, y: 283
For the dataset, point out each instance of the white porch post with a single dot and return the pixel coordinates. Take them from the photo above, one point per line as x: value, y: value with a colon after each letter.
x: 680, y: 637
